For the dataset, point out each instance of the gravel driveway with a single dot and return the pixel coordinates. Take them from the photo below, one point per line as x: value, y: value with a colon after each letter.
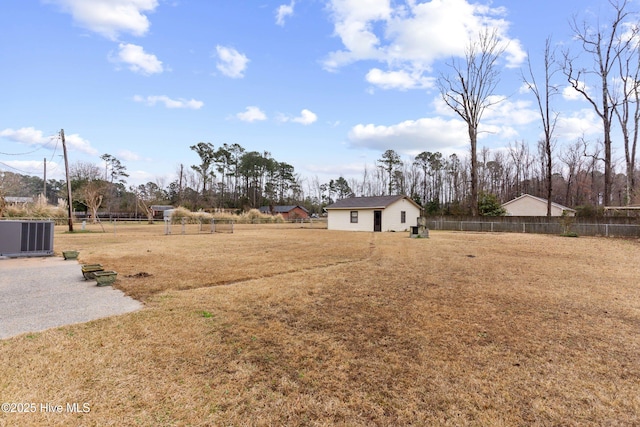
x: 42, y: 293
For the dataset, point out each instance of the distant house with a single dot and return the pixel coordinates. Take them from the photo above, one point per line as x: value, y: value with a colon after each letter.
x: 381, y: 213
x: 528, y: 205
x: 18, y: 200
x: 161, y: 211
x: 287, y: 212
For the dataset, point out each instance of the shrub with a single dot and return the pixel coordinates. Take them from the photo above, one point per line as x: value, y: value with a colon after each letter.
x: 589, y: 211
x: 201, y: 216
x: 179, y: 213
x: 37, y: 209
x: 489, y: 205
x: 254, y: 216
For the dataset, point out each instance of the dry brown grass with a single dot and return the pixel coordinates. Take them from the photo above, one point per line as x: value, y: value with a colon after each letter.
x: 329, y: 328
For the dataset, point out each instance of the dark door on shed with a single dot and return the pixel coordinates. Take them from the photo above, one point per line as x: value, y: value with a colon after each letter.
x: 377, y: 220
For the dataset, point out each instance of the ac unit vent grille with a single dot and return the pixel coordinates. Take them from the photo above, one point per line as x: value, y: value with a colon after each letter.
x: 26, y: 238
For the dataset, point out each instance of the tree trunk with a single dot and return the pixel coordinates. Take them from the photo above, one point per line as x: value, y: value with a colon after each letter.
x: 474, y: 171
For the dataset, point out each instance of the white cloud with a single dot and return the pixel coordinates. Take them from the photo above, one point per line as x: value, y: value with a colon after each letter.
x: 110, y: 18
x: 138, y: 177
x: 578, y: 124
x: 516, y: 55
x: 231, y: 63
x: 29, y: 136
x: 169, y: 103
x: 283, y: 11
x: 503, y: 110
x: 501, y: 119
x: 128, y: 155
x: 32, y: 136
x: 353, y: 22
x: 402, y: 79
x: 252, y: 114
x: 76, y: 142
x: 412, y: 136
x: 571, y: 94
x: 306, y: 117
x: 138, y: 60
x: 411, y: 36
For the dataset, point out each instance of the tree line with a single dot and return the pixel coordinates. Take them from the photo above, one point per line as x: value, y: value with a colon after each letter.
x: 232, y: 178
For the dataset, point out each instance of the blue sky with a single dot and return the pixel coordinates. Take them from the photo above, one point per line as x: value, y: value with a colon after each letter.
x: 325, y: 85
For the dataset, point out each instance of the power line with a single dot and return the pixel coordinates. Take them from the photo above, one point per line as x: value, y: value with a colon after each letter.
x: 56, y: 146
x: 22, y: 154
x: 56, y: 137
x: 16, y: 169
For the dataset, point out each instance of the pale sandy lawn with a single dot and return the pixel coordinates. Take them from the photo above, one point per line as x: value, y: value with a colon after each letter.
x: 276, y: 326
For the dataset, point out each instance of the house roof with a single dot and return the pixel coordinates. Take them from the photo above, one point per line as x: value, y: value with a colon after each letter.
x: 376, y: 202
x: 281, y: 209
x: 539, y: 199
x: 11, y: 199
x: 159, y: 208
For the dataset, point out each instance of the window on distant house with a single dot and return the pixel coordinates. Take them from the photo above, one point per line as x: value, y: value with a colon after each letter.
x: 403, y: 217
x: 354, y: 217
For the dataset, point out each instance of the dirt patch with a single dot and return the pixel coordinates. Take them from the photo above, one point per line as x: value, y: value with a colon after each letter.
x: 139, y: 275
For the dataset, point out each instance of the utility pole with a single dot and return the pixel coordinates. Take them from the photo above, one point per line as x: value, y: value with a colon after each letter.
x: 66, y: 167
x: 180, y: 185
x: 44, y: 186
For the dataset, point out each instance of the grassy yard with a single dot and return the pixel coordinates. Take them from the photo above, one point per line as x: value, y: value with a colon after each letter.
x: 275, y: 326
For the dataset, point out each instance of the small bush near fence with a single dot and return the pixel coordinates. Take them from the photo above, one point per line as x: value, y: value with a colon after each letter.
x: 610, y: 227
x: 253, y: 216
x: 38, y: 209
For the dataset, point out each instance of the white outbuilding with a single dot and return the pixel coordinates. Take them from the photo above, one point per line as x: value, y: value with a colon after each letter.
x: 528, y: 205
x: 380, y: 213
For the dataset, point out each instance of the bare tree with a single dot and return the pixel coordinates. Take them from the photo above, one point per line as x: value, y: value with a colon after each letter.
x: 604, y: 45
x: 591, y: 174
x: 627, y: 108
x: 91, y: 195
x: 84, y: 171
x: 549, y: 119
x: 573, y: 160
x: 88, y: 186
x: 469, y: 92
x: 147, y: 195
x: 521, y: 159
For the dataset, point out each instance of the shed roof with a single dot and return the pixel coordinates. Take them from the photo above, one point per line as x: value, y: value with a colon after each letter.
x: 159, y: 208
x: 376, y: 202
x: 539, y: 199
x: 11, y: 199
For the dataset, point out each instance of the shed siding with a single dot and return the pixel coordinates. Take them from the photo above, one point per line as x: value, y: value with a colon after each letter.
x: 391, y: 216
x: 531, y: 207
x: 340, y: 219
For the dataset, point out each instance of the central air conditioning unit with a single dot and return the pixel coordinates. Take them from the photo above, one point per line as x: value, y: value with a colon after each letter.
x: 26, y: 238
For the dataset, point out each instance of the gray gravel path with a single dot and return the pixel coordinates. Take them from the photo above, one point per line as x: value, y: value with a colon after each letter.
x: 42, y: 293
